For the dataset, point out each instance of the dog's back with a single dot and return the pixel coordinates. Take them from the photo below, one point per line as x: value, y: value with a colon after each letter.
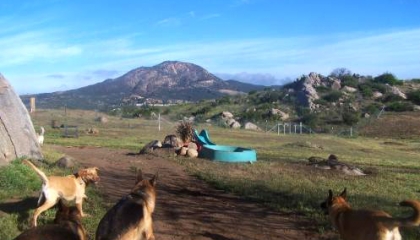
x: 67, y: 225
x: 131, y: 217
x: 367, y: 224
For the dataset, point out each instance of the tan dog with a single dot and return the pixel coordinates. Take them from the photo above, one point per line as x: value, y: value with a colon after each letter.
x: 131, y: 217
x: 367, y: 224
x: 67, y: 225
x: 69, y: 188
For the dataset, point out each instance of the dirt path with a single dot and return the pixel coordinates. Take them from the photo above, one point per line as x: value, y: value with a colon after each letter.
x: 188, y: 208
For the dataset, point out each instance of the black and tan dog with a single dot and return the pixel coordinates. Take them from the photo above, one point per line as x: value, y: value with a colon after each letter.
x: 131, y: 217
x: 69, y: 188
x: 67, y: 225
x: 367, y: 224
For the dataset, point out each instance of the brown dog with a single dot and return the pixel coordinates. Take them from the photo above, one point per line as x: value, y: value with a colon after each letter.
x: 131, y: 217
x: 69, y: 188
x: 367, y: 224
x: 67, y: 225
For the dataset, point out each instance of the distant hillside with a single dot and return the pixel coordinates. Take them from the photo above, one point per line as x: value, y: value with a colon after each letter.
x: 329, y: 104
x: 168, y: 82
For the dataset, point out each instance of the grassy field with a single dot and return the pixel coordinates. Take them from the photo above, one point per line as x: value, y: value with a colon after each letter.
x: 280, y: 178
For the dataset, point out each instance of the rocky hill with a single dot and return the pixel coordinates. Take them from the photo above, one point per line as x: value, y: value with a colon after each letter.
x: 168, y: 82
x: 325, y: 103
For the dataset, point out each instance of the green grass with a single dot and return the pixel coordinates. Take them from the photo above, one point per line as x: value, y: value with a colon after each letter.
x: 280, y: 179
x: 19, y: 183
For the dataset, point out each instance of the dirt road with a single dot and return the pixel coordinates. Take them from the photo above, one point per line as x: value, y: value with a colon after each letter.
x: 188, y: 208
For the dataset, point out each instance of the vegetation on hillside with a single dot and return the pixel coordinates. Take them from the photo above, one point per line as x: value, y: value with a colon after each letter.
x: 358, y: 98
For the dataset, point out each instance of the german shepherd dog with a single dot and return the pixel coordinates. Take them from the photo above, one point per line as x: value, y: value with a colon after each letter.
x: 67, y: 225
x: 367, y: 224
x: 131, y: 217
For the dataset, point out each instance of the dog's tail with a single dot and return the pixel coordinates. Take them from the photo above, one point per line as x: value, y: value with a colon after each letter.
x: 414, y: 219
x: 44, y: 177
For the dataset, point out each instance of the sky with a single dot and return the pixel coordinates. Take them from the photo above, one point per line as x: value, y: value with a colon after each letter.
x: 55, y: 45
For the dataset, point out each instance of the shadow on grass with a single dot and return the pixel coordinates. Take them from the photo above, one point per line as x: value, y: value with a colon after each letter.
x: 20, y: 207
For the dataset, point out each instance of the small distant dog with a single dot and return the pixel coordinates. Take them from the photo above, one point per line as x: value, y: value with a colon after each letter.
x: 367, y: 224
x: 69, y: 188
x: 41, y: 136
x: 67, y: 225
x: 131, y: 217
x: 333, y: 163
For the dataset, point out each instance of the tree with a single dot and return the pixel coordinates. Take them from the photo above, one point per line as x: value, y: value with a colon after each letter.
x: 387, y: 78
x: 339, y: 72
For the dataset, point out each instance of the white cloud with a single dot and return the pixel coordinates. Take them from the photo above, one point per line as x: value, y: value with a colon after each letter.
x: 34, y: 46
x: 169, y: 22
x: 368, y: 54
x: 210, y: 16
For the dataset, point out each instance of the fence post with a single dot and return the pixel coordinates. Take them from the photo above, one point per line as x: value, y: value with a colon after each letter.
x: 278, y: 129
x: 351, y: 131
x: 159, y: 121
x: 300, y: 127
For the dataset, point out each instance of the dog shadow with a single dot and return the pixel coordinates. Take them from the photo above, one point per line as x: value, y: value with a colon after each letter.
x: 21, y: 208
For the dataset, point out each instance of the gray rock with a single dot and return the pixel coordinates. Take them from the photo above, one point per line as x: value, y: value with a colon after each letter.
x: 226, y: 115
x: 396, y: 91
x: 251, y: 126
x: 150, y: 147
x: 336, y: 85
x: 17, y: 134
x: 172, y: 141
x: 349, y: 89
x: 65, y: 162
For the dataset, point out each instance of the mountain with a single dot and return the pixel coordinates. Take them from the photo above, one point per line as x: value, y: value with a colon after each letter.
x: 168, y: 82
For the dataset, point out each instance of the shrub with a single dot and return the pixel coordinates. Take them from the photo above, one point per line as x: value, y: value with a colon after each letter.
x: 366, y: 90
x: 322, y: 89
x: 399, y: 106
x: 310, y: 119
x: 350, y: 117
x: 391, y: 98
x: 349, y: 81
x: 321, y: 102
x: 185, y: 131
x: 373, y: 108
x: 387, y: 78
x: 414, y: 97
x: 333, y: 96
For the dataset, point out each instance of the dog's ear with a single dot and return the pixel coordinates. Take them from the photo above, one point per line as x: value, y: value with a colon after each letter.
x: 154, y: 179
x: 344, y: 194
x: 330, y: 194
x: 139, y: 177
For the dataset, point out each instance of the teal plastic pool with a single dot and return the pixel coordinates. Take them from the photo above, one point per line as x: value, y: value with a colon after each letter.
x: 223, y: 153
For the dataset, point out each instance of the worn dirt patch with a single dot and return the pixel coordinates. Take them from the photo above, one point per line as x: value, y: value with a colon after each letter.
x: 188, y: 208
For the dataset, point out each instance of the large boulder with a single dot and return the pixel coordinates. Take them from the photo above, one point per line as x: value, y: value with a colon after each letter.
x: 17, y: 133
x: 307, y: 92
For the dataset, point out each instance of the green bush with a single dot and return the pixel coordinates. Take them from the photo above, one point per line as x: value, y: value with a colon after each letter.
x: 321, y: 101
x: 333, y: 96
x: 349, y: 81
x: 391, y: 98
x: 373, y: 108
x: 366, y: 90
x: 350, y: 117
x: 414, y: 97
x: 387, y: 78
x: 399, y: 106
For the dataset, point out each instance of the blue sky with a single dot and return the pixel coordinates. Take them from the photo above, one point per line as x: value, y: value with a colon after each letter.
x: 52, y: 45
